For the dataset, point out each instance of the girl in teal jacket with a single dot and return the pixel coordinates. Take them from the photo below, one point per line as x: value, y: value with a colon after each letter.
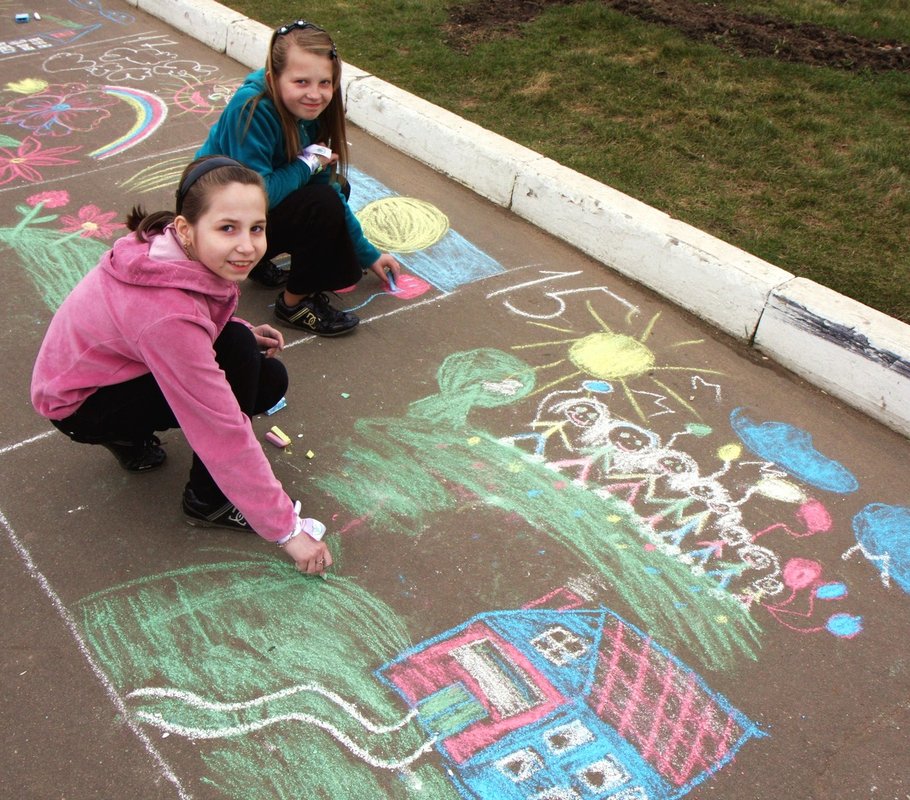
x: 287, y: 123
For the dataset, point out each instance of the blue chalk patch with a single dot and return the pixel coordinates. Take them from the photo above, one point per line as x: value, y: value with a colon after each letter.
x: 831, y: 591
x: 845, y: 625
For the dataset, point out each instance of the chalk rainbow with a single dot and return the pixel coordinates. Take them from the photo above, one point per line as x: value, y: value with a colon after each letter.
x: 150, y: 110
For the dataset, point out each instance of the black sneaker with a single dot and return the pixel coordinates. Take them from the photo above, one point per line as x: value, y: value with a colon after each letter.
x: 314, y: 314
x: 140, y: 456
x: 267, y: 274
x: 220, y: 515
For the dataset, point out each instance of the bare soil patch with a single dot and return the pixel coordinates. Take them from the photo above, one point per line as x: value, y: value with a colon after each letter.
x: 744, y: 34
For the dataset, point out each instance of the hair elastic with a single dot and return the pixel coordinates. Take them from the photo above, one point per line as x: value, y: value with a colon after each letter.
x: 202, y: 168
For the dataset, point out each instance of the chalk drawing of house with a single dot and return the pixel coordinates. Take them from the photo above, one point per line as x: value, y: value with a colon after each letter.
x: 543, y: 704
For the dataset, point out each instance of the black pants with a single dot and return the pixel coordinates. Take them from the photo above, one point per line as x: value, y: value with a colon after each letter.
x: 132, y: 411
x: 310, y: 225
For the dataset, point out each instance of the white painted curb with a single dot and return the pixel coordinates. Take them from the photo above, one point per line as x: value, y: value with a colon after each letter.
x: 485, y: 162
x: 204, y: 20
x: 851, y: 351
x: 723, y: 285
x: 247, y: 42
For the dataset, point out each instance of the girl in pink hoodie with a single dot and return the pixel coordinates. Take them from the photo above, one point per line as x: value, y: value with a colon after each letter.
x: 147, y: 341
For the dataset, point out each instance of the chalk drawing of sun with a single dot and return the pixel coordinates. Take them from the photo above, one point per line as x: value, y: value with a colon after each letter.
x: 204, y: 97
x: 402, y: 224
x: 610, y: 358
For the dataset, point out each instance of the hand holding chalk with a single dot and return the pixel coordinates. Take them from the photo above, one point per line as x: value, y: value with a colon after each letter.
x: 309, y: 552
x: 268, y: 339
x: 386, y: 268
x: 311, y: 557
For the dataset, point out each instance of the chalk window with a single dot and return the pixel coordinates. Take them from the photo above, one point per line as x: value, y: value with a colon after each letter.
x: 560, y: 646
x: 520, y: 765
x: 504, y: 684
x: 603, y: 776
x: 568, y: 737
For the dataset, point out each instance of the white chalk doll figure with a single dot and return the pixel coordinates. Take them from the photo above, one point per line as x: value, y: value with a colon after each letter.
x: 287, y: 122
x: 148, y: 341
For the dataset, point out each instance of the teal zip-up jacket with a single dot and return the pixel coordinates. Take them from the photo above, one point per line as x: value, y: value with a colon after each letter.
x: 261, y: 147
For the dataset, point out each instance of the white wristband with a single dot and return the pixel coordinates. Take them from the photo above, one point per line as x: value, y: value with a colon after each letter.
x: 311, y: 527
x: 311, y: 160
x: 317, y: 150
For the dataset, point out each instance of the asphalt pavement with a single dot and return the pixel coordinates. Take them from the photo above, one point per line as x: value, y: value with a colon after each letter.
x: 587, y: 544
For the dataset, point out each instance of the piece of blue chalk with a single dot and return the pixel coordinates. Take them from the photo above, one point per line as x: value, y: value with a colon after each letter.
x: 21, y: 17
x: 391, y: 278
x: 277, y: 407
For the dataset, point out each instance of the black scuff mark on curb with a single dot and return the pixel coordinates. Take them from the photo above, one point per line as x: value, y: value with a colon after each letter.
x: 843, y: 336
x: 750, y: 337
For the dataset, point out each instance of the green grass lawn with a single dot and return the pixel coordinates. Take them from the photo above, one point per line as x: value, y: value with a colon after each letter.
x: 807, y: 167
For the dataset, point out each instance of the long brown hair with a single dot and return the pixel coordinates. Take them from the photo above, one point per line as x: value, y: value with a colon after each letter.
x: 331, y: 131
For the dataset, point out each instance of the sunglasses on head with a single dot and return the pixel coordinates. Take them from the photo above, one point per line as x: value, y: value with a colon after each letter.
x: 302, y: 24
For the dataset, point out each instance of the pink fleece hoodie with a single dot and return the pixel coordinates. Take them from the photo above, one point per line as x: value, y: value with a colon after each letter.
x: 146, y: 308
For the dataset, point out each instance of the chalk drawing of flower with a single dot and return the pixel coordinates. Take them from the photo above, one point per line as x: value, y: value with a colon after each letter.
x: 56, y: 259
x: 21, y: 163
x: 91, y: 223
x: 59, y: 110
x: 52, y: 199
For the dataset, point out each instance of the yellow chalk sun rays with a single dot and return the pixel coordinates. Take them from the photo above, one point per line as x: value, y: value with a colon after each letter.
x: 617, y: 358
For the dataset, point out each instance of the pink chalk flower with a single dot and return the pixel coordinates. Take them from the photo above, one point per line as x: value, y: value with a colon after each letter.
x: 59, y: 110
x: 21, y: 163
x: 91, y: 223
x: 53, y: 199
